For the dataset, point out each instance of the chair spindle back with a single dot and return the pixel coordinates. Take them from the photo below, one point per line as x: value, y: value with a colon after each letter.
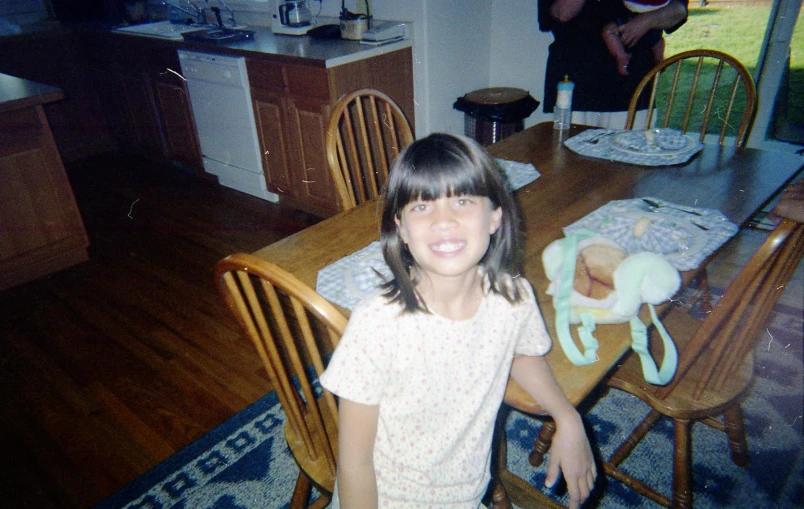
x: 284, y: 319
x: 366, y: 132
x: 698, y: 88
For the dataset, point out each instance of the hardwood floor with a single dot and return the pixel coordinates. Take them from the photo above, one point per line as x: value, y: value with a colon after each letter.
x: 111, y: 366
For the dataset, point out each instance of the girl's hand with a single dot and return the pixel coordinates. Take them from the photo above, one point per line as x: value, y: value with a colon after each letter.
x: 571, y: 455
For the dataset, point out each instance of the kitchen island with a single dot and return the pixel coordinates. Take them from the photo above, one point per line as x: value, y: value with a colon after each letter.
x: 41, y: 230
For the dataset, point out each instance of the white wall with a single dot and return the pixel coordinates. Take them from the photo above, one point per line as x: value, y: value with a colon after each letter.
x: 461, y: 46
x: 519, y: 50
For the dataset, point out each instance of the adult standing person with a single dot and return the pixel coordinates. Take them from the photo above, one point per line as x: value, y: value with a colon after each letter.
x: 601, y: 95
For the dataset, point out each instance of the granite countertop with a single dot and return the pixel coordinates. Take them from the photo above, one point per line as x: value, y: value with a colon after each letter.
x: 17, y: 93
x: 292, y: 48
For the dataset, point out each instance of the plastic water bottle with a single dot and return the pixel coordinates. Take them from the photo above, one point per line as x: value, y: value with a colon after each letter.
x: 562, y: 112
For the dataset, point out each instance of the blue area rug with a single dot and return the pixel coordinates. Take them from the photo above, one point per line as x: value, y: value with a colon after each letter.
x: 244, y: 463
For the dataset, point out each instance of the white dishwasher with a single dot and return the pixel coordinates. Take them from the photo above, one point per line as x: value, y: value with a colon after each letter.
x: 221, y: 102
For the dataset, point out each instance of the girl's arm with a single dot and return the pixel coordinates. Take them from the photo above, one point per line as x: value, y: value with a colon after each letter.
x: 357, y: 429
x: 570, y: 452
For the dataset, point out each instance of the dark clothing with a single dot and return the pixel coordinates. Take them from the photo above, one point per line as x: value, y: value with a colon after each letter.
x: 580, y: 53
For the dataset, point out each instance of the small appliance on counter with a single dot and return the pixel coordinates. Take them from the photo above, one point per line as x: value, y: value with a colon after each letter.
x: 354, y: 24
x: 292, y: 17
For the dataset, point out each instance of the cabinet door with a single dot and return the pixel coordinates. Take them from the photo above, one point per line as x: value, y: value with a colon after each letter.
x: 307, y: 128
x: 148, y: 133
x: 117, y: 113
x: 40, y: 226
x: 178, y: 125
x: 270, y: 118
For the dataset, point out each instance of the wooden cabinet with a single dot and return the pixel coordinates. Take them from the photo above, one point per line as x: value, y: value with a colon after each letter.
x: 291, y: 109
x: 145, y: 101
x: 41, y: 230
x: 292, y: 103
x: 173, y: 107
x: 181, y: 139
x: 270, y: 117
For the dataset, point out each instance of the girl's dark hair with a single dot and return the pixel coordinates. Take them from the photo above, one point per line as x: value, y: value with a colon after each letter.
x: 448, y: 165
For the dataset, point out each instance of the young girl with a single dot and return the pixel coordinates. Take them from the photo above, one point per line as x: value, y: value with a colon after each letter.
x: 422, y: 368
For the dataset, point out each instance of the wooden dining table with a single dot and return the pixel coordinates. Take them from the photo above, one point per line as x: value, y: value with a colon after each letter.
x: 738, y: 182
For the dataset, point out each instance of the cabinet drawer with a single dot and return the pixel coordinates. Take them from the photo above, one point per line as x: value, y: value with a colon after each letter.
x: 265, y: 75
x: 307, y: 82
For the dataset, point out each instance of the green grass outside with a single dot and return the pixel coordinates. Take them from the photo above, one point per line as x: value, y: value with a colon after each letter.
x: 739, y: 31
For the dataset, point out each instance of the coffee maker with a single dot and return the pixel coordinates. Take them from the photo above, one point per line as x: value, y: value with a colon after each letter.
x: 291, y: 17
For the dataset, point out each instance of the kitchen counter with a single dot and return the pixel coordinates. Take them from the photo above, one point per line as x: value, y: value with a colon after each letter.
x: 17, y: 93
x: 294, y: 49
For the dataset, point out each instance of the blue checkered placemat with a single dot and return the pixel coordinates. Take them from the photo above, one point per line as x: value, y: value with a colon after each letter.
x: 517, y: 175
x: 684, y: 235
x: 352, y: 278
x: 653, y: 147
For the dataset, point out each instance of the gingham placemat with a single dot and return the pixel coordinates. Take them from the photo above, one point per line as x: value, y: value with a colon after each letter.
x: 517, y: 175
x: 598, y: 143
x: 685, y: 236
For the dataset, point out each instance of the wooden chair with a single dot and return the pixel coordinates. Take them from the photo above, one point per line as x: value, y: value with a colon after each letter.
x: 715, y: 366
x: 366, y: 132
x: 287, y: 321
x: 708, y: 91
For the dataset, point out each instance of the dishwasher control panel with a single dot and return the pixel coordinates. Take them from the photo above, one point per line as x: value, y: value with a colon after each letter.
x: 214, y: 68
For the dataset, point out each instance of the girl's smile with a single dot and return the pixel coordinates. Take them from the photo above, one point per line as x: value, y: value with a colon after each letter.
x: 447, y: 247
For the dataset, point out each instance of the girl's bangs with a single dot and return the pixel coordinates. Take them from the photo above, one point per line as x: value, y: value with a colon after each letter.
x: 430, y: 178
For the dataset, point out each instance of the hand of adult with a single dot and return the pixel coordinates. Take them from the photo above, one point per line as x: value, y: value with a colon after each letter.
x: 632, y: 31
x: 661, y: 19
x: 791, y: 205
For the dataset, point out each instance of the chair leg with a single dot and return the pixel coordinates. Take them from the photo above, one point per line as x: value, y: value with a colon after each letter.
x: 542, y: 444
x: 735, y: 429
x: 302, y: 491
x: 499, y: 497
x: 496, y: 496
x: 682, y: 465
x: 638, y: 434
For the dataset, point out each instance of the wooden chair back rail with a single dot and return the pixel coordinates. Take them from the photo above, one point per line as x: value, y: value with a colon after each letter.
x: 366, y: 132
x: 274, y: 310
x: 731, y: 331
x: 675, y: 65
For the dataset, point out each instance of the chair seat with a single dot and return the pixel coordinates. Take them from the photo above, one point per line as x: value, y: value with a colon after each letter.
x: 680, y: 403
